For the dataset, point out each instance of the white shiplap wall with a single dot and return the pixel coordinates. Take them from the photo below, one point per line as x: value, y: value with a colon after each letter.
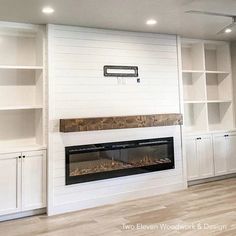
x: 77, y: 88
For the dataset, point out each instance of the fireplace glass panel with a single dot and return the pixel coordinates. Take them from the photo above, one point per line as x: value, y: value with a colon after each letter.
x: 100, y: 161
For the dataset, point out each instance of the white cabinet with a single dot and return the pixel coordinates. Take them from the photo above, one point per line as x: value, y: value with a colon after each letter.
x: 33, y: 180
x: 199, y: 156
x: 210, y: 155
x: 10, y: 172
x: 192, y: 160
x: 225, y: 153
x: 220, y: 155
x: 205, y: 155
x: 22, y: 181
x: 231, y: 150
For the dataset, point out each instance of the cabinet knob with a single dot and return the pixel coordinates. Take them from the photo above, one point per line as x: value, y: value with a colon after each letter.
x: 19, y: 157
x: 199, y: 138
x: 226, y: 135
x: 23, y: 156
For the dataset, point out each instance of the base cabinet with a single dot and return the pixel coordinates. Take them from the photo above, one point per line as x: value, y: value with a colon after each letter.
x: 210, y: 155
x: 199, y: 157
x: 220, y: 155
x: 225, y: 153
x: 10, y: 172
x: 33, y: 180
x: 22, y: 181
x: 231, y: 150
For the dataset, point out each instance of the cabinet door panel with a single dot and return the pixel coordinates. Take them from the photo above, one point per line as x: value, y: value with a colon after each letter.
x: 205, y: 156
x: 192, y: 161
x: 10, y: 168
x: 220, y: 155
x: 33, y: 180
x: 231, y: 153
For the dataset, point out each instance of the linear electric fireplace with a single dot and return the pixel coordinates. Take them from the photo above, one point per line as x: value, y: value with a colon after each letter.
x: 110, y: 160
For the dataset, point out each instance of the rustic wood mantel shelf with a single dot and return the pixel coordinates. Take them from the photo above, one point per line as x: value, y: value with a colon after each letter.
x: 119, y: 122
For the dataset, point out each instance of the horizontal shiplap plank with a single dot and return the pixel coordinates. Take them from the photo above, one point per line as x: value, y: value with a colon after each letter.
x: 93, y: 73
x: 99, y: 61
x: 98, y: 81
x: 117, y: 98
x: 105, y: 32
x: 111, y: 111
x: 105, y: 103
x: 91, y: 43
x: 112, y: 52
x: 102, y: 36
x: 64, y: 48
x: 111, y: 89
x: 98, y: 69
x: 115, y: 110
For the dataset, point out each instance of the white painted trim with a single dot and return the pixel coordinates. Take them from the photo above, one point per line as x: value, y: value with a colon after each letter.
x: 50, y: 94
x: 212, y: 179
x: 181, y: 104
x: 22, y: 214
x: 194, y: 40
x: 16, y: 25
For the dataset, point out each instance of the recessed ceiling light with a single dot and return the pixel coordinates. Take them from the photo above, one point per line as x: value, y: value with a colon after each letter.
x: 47, y: 10
x: 228, y: 30
x: 151, y: 22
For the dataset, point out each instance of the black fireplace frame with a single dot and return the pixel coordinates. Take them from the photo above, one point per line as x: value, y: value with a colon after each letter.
x: 122, y: 172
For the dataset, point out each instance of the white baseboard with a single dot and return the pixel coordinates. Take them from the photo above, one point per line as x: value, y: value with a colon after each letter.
x: 102, y: 201
x: 22, y: 214
x: 212, y: 179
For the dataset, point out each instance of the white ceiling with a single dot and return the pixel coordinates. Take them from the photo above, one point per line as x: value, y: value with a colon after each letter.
x: 127, y: 15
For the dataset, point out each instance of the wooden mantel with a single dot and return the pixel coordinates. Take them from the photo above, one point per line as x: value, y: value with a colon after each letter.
x: 119, y: 122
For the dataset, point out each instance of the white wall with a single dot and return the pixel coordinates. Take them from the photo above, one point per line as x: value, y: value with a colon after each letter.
x: 77, y: 88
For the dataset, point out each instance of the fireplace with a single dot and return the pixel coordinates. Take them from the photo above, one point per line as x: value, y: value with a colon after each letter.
x: 109, y: 160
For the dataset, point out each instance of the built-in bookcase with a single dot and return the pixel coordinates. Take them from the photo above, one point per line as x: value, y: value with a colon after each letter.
x: 195, y: 117
x: 207, y: 86
x: 192, y: 56
x: 194, y: 86
x: 22, y: 87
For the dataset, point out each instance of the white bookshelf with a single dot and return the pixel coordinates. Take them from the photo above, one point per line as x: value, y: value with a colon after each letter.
x: 220, y: 116
x: 193, y: 57
x: 218, y: 86
x: 207, y: 86
x: 195, y: 117
x: 217, y: 57
x: 194, y: 86
x: 22, y: 87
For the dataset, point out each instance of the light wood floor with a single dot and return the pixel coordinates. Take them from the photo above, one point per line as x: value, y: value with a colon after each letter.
x: 212, y: 204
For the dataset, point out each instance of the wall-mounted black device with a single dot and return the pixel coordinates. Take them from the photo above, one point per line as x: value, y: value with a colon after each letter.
x: 120, y: 71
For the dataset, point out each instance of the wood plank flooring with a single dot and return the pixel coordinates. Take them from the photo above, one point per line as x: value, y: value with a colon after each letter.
x: 207, y: 209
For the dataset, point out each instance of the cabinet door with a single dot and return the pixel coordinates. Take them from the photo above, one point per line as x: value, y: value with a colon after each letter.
x: 191, y: 157
x: 33, y: 180
x: 231, y: 153
x: 205, y: 157
x: 10, y: 173
x: 220, y: 155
